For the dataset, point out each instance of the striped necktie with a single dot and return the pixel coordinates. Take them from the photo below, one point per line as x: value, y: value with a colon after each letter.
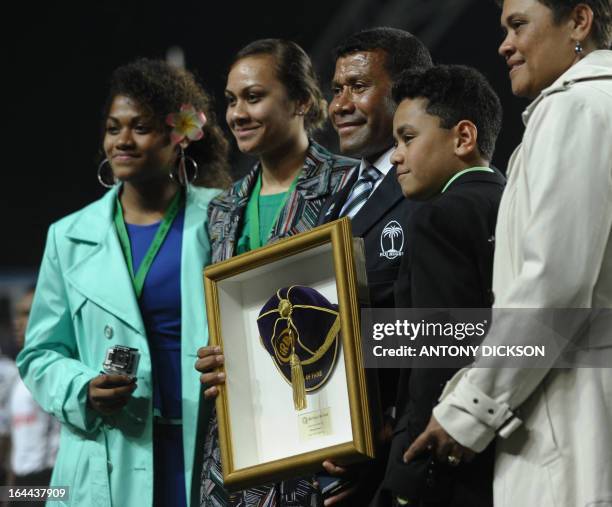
x: 361, y: 191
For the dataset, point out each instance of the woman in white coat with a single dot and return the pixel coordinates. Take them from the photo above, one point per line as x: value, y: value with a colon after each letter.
x: 553, y: 251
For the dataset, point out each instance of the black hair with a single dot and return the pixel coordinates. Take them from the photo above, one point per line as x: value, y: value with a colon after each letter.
x: 602, y: 16
x: 403, y: 50
x: 295, y: 71
x: 161, y: 89
x: 455, y: 93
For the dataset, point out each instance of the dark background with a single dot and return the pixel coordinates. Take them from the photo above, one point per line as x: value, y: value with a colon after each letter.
x: 60, y: 57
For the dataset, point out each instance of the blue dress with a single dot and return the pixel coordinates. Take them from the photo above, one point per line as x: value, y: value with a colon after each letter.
x: 160, y: 306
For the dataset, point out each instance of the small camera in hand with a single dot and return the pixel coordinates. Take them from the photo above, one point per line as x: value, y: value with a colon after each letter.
x: 121, y: 360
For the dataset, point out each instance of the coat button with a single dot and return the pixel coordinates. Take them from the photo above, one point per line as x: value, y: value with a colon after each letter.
x: 108, y: 331
x: 109, y: 466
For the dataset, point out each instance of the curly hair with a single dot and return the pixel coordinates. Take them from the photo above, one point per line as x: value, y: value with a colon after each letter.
x: 602, y: 16
x: 161, y: 89
x: 293, y: 69
x: 455, y: 93
x: 403, y: 50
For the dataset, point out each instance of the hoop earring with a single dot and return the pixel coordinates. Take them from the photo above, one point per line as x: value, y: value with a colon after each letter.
x: 182, y: 178
x: 578, y: 49
x: 101, y: 177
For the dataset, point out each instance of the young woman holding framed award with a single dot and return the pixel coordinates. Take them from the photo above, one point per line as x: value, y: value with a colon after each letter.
x: 273, y: 104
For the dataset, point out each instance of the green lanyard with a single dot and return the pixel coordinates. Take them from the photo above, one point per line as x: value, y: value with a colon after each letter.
x: 160, y: 236
x: 253, y: 213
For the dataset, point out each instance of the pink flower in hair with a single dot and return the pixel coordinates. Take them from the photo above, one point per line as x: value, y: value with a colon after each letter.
x: 187, y: 123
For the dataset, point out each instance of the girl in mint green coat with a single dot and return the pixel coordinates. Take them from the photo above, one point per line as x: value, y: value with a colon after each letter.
x: 127, y: 270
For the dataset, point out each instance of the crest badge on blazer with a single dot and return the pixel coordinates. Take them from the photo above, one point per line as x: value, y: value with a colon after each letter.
x: 392, y: 240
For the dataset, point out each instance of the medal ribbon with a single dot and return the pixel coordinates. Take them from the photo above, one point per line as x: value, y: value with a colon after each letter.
x: 124, y: 238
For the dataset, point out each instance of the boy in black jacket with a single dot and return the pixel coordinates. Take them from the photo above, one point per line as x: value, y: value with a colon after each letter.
x: 445, y: 128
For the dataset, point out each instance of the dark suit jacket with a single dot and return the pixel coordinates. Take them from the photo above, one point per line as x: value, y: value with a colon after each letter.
x: 385, y: 208
x: 381, y: 222
x: 448, y: 264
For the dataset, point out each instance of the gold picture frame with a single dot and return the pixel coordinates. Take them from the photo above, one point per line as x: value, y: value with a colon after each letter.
x: 261, y: 436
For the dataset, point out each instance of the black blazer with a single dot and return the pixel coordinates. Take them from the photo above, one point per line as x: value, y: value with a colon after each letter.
x: 386, y: 207
x: 381, y: 222
x: 448, y: 264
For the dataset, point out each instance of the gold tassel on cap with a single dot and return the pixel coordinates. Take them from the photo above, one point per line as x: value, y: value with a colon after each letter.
x: 297, y: 377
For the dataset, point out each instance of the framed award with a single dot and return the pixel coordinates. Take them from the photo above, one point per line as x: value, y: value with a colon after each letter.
x: 287, y: 319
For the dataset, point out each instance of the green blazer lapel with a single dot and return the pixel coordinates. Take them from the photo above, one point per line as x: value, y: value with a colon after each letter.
x: 101, y: 275
x: 194, y: 329
x: 194, y: 257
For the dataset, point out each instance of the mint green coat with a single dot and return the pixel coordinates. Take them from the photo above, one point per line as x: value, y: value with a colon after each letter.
x: 85, y: 303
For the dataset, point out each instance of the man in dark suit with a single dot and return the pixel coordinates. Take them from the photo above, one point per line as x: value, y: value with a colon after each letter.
x: 361, y: 112
x: 445, y: 129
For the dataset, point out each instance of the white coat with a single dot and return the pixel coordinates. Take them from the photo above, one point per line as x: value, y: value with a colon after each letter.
x: 553, y: 250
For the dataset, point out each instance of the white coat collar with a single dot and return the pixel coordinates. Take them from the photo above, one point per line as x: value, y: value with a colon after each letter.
x: 595, y: 65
